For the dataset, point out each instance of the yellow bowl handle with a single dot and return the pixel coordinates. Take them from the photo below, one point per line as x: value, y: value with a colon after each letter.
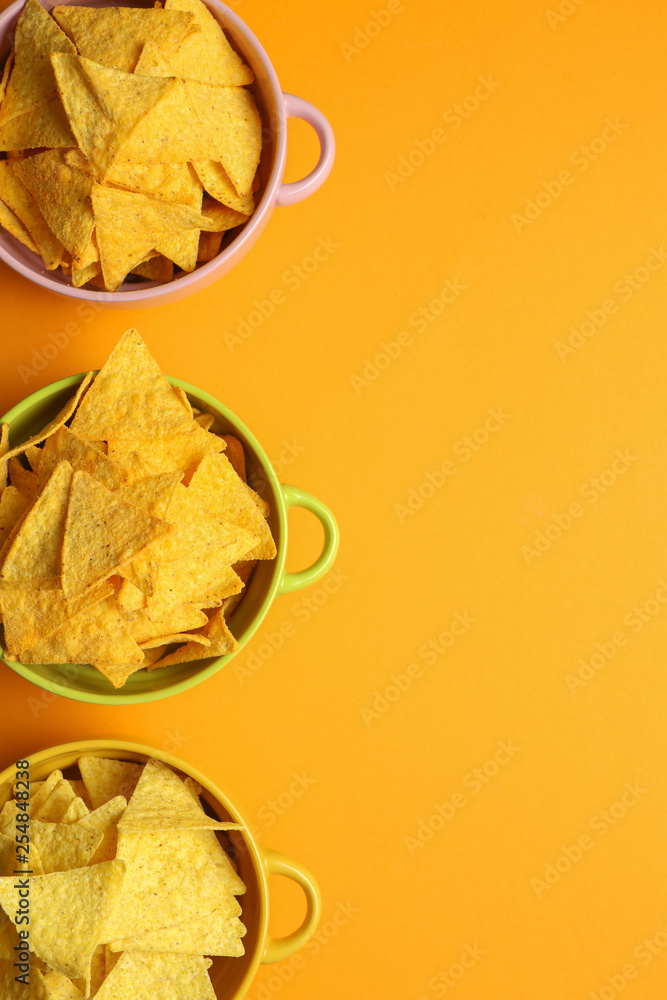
x: 277, y: 949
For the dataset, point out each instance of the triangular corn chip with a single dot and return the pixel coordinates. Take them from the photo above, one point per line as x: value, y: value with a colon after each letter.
x: 101, y: 534
x: 32, y: 615
x: 64, y: 846
x: 218, y: 933
x: 45, y: 125
x: 53, y: 808
x: 105, y: 778
x: 58, y: 421
x: 161, y: 801
x: 217, y: 183
x: 229, y: 117
x: 130, y: 397
x: 13, y: 225
x: 95, y: 635
x: 115, y: 36
x: 15, y: 194
x: 170, y: 881
x: 222, y: 493
x: 103, y: 105
x: 104, y: 820
x: 32, y: 82
x: 67, y: 913
x: 34, y: 554
x: 207, y: 55
x: 221, y: 642
x: 83, y: 456
x: 169, y: 977
x: 179, y: 451
x: 63, y: 196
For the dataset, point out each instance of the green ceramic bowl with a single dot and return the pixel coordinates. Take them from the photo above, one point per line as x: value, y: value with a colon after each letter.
x: 231, y: 977
x: 84, y: 683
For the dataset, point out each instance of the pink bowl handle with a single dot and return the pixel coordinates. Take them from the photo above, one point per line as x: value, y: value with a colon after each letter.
x: 296, y: 107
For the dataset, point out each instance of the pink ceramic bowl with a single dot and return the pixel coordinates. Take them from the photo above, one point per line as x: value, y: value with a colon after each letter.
x: 275, y: 108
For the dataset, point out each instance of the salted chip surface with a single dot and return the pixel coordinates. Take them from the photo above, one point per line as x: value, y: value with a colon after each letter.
x: 46, y: 125
x: 101, y: 534
x: 63, y: 196
x: 82, y: 456
x: 230, y: 119
x: 104, y: 821
x: 218, y: 933
x: 206, y: 55
x: 18, y: 198
x: 221, y: 642
x: 13, y: 225
x: 58, y: 421
x: 32, y: 82
x: 161, y: 801
x: 63, y: 846
x: 167, y: 976
x: 67, y: 913
x: 105, y: 779
x: 59, y: 987
x: 170, y: 881
x: 178, y: 451
x: 34, y: 555
x: 32, y: 615
x: 54, y: 806
x: 223, y: 493
x: 116, y: 36
x: 96, y: 635
x: 129, y: 397
x: 216, y: 181
x: 103, y: 105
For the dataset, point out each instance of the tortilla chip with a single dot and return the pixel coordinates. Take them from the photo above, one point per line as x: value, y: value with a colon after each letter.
x: 222, y: 493
x: 216, y: 182
x: 16, y: 196
x: 76, y: 810
x: 221, y: 217
x: 144, y: 628
x: 82, y: 275
x: 169, y: 977
x: 115, y: 36
x: 169, y: 881
x: 13, y: 225
x: 34, y: 554
x: 53, y: 425
x: 63, y: 196
x: 12, y: 506
x: 63, y: 847
x: 45, y: 126
x: 161, y: 801
x: 104, y: 821
x: 67, y: 913
x: 42, y: 794
x: 105, y: 778
x: 32, y: 82
x: 95, y: 635
x: 217, y: 933
x: 221, y: 639
x: 231, y: 121
x: 101, y: 534
x: 236, y: 456
x: 207, y: 55
x: 83, y: 456
x: 209, y: 247
x: 54, y: 806
x: 22, y: 479
x: 103, y: 105
x: 32, y: 615
x: 4, y: 79
x: 59, y: 987
x: 178, y: 452
x: 157, y: 269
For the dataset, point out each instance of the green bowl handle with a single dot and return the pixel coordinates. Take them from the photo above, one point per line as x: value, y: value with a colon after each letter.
x: 294, y: 497
x: 277, y: 949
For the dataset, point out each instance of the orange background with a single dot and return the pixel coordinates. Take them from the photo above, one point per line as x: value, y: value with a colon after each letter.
x: 536, y: 528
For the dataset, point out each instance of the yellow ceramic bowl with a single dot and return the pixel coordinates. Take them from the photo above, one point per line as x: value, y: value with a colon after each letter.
x: 231, y: 977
